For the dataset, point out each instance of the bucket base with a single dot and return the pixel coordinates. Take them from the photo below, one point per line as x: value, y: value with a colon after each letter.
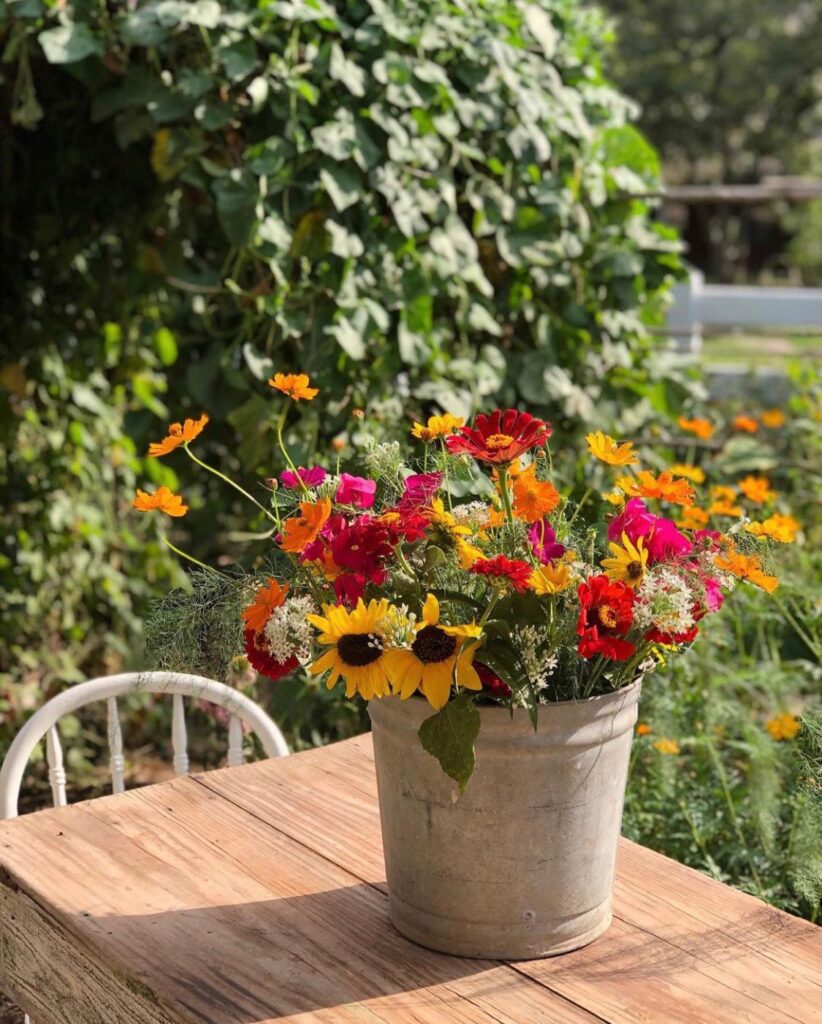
x: 484, y: 942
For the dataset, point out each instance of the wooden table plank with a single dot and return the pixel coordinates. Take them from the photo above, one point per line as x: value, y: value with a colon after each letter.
x: 256, y: 894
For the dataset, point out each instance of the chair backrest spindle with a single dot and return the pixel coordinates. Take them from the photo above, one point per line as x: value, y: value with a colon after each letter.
x: 117, y: 762
x: 235, y: 742
x: 179, y: 735
x: 57, y: 773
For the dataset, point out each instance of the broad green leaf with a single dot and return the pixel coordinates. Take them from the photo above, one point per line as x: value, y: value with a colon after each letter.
x: 236, y: 208
x: 449, y: 736
x: 66, y: 44
x: 166, y: 345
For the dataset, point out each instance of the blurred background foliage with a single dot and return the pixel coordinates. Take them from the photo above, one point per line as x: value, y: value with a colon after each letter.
x: 425, y: 207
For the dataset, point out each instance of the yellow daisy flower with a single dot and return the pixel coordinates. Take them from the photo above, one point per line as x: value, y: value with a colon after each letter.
x: 777, y: 527
x: 606, y: 449
x: 438, y: 656
x: 628, y: 563
x: 550, y: 579
x: 357, y: 647
x: 437, y: 426
x: 693, y: 473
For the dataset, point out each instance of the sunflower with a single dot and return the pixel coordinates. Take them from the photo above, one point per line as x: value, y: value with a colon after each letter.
x: 294, y: 385
x: 628, y: 563
x: 357, y: 647
x: 163, y: 500
x: 438, y: 656
x: 606, y: 449
x: 178, y: 434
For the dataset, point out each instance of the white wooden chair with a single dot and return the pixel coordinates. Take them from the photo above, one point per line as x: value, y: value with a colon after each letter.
x: 43, y: 723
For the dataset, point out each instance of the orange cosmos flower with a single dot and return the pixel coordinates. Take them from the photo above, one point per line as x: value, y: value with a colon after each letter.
x: 666, y: 746
x: 777, y: 527
x: 606, y: 449
x: 163, y: 500
x: 693, y: 473
x: 745, y: 424
x: 266, y: 599
x: 178, y: 434
x: 533, y: 499
x: 664, y: 487
x: 698, y: 427
x: 783, y: 727
x: 773, y: 418
x: 301, y: 530
x: 757, y: 489
x: 746, y: 567
x: 693, y: 518
x: 295, y: 385
x: 723, y: 493
x: 437, y: 426
x: 642, y: 729
x: 723, y: 507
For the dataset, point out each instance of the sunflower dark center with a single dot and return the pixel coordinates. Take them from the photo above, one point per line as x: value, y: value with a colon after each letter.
x: 433, y: 644
x: 358, y: 649
x: 634, y: 570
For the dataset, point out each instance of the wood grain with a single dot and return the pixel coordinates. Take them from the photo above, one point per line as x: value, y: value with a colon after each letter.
x: 256, y: 894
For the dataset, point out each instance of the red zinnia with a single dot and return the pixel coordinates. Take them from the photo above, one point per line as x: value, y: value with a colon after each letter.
x: 491, y: 682
x: 517, y: 573
x: 364, y: 546
x: 659, y: 636
x: 501, y: 437
x: 605, y: 616
x: 262, y: 661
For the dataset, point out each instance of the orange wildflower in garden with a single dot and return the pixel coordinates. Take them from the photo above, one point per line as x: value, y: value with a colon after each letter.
x: 178, y: 434
x: 642, y: 729
x: 266, y: 599
x: 746, y: 567
x: 666, y: 746
x: 693, y: 518
x: 757, y: 489
x: 163, y: 500
x: 699, y: 427
x: 783, y: 727
x: 664, y: 487
x: 693, y: 473
x: 745, y: 424
x: 294, y: 385
x: 301, y: 530
x: 533, y: 499
x: 773, y: 418
x: 606, y: 449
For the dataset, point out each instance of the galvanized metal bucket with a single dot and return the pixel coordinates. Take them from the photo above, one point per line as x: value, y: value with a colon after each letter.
x: 522, y: 864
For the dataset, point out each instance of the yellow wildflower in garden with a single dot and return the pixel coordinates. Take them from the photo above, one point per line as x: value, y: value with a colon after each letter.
x: 777, y: 527
x: 550, y: 579
x: 757, y: 489
x: 724, y: 503
x: 163, y: 500
x: 358, y: 647
x: 666, y: 746
x: 437, y: 426
x: 773, y: 418
x: 693, y: 518
x: 628, y: 562
x: 693, y: 473
x: 745, y: 424
x: 467, y: 553
x: 783, y: 727
x: 614, y: 498
x: 294, y: 385
x: 699, y: 427
x: 606, y: 449
x: 437, y: 657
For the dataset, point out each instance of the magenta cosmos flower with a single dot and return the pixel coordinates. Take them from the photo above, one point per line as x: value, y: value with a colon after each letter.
x: 311, y: 477
x: 356, y: 490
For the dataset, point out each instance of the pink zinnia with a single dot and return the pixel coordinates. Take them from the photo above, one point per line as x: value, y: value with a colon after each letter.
x: 356, y: 490
x: 311, y: 477
x: 419, y: 490
x: 634, y: 521
x: 665, y: 542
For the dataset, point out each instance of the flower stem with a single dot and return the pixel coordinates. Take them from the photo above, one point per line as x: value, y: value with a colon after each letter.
x: 229, y: 481
x: 505, y: 494
x: 187, y: 557
x: 583, y: 500
x: 284, y: 450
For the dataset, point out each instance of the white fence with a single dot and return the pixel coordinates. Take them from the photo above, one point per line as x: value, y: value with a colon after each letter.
x: 698, y: 305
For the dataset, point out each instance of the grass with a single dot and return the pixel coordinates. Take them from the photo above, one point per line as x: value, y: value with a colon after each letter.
x: 760, y: 351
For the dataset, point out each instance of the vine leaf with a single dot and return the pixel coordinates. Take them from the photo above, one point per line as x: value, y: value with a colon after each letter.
x: 449, y: 736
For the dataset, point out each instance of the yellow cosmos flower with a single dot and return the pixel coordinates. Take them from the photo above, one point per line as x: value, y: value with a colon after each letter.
x: 757, y: 489
x: 614, y: 498
x: 628, y: 563
x: 699, y: 427
x: 467, y: 553
x: 606, y: 449
x: 294, y: 385
x: 437, y: 426
x: 442, y: 517
x: 666, y: 746
x: 783, y: 727
x: 358, y: 648
x: 693, y: 473
x: 550, y: 579
x: 163, y: 500
x: 777, y: 527
x: 773, y: 418
x: 438, y: 657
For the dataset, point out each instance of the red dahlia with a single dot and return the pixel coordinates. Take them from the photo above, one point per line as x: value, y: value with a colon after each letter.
x: 606, y: 614
x: 516, y: 573
x: 262, y: 661
x: 501, y: 437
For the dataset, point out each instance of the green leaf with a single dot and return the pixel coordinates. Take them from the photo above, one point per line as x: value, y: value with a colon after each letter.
x: 236, y: 209
x: 67, y: 44
x: 166, y: 345
x: 449, y: 736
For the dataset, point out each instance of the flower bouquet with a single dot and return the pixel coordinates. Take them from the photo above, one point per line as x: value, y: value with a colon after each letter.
x: 504, y: 636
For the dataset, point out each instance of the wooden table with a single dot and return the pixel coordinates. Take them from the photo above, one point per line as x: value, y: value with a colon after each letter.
x: 257, y: 894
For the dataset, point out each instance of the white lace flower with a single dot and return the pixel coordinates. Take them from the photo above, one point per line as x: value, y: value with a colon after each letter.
x: 665, y: 602
x: 287, y: 633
